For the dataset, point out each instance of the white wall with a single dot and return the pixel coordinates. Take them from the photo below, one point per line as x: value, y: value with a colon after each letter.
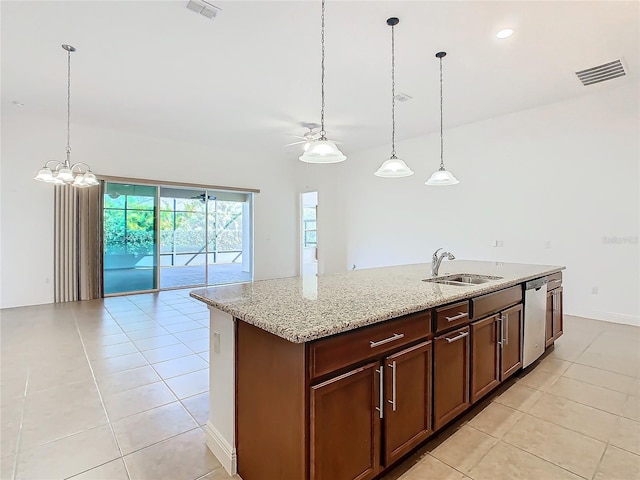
x: 26, y: 237
x: 565, y: 173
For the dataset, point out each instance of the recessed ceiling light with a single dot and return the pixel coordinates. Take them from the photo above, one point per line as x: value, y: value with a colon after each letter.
x: 505, y: 33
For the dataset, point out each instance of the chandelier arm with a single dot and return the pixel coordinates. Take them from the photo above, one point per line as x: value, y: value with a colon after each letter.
x: 79, y: 166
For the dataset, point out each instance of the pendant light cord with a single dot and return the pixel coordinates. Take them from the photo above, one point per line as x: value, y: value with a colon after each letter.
x: 68, y: 105
x: 393, y: 93
x: 322, y: 132
x: 441, y: 140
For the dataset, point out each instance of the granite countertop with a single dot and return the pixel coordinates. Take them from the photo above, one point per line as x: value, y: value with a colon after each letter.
x: 301, y: 309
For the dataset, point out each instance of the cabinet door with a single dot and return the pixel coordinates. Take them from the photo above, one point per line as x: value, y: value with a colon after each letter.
x: 407, y: 413
x: 511, y: 341
x: 485, y: 357
x: 548, y: 331
x: 345, y: 426
x: 450, y: 376
x: 557, y: 313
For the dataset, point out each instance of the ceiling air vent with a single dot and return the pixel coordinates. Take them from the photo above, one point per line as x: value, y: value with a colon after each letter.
x: 603, y: 72
x: 203, y: 8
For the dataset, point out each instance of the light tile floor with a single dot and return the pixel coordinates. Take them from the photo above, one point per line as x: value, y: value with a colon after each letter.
x: 117, y: 389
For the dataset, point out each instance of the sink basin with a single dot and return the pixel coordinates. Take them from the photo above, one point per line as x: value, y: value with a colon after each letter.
x: 462, y: 279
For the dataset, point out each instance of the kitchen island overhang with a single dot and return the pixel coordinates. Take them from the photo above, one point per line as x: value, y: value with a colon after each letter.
x: 300, y: 311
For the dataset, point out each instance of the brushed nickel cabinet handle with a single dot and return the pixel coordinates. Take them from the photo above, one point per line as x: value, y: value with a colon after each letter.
x: 501, y: 341
x: 393, y: 385
x: 506, y: 321
x: 396, y: 336
x: 462, y: 335
x: 457, y: 317
x: 381, y: 403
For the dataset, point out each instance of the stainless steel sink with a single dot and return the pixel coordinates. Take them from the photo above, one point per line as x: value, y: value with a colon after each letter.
x: 462, y: 279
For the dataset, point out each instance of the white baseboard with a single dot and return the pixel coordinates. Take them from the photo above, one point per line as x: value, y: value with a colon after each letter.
x: 607, y: 317
x: 223, y: 451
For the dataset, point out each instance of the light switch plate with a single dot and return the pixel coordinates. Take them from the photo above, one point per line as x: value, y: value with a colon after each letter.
x: 216, y: 342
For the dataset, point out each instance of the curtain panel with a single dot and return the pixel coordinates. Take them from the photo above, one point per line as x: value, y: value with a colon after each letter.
x: 77, y: 243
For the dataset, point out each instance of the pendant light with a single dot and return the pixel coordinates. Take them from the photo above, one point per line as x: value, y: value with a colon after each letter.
x: 322, y: 150
x: 441, y: 177
x: 60, y: 173
x: 394, y: 167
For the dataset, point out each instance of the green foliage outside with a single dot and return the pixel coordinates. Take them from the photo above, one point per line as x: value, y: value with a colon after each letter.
x: 129, y: 225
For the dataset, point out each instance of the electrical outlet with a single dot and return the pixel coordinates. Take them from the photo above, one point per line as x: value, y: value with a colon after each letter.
x: 216, y: 342
x: 547, y: 244
x: 594, y: 290
x: 499, y: 243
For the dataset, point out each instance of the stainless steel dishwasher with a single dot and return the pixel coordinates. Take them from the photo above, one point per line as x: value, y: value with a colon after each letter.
x: 535, y: 312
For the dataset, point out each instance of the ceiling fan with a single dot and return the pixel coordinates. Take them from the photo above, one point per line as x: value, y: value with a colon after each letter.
x: 308, y: 137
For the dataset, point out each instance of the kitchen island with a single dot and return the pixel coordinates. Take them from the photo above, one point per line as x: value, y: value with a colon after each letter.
x: 340, y: 376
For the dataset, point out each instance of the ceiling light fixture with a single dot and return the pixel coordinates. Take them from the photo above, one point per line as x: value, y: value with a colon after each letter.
x: 505, y: 33
x: 60, y: 173
x: 322, y: 150
x: 394, y: 167
x: 441, y: 177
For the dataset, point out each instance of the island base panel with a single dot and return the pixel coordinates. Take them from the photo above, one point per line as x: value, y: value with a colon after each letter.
x: 271, y: 406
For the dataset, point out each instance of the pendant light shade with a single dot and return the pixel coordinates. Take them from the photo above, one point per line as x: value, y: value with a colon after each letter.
x: 394, y: 167
x: 60, y: 173
x: 441, y: 177
x: 322, y: 150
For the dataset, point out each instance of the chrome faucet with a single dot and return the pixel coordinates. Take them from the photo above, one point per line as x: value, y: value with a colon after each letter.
x: 436, y: 260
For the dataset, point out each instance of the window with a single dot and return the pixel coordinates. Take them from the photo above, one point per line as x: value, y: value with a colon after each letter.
x: 309, y: 217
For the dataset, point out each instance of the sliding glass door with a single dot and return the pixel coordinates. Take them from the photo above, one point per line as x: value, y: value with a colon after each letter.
x: 158, y: 237
x: 183, y: 237
x: 130, y: 241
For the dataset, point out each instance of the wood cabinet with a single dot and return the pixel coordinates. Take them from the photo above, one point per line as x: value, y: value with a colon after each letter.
x: 367, y: 418
x: 407, y: 405
x: 511, y: 343
x: 554, y: 319
x: 345, y: 426
x: 485, y: 356
x: 450, y: 376
x: 349, y: 406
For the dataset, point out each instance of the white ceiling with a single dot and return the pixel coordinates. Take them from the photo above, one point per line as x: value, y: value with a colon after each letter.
x: 247, y: 79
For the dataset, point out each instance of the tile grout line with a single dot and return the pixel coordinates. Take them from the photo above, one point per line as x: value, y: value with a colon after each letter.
x: 104, y: 408
x: 19, y: 439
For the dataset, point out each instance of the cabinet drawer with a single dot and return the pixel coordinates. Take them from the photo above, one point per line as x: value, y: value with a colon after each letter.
x: 333, y: 353
x: 452, y: 316
x: 496, y: 301
x: 554, y: 281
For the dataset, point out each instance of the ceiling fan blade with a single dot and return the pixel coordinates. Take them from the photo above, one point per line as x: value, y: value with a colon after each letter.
x: 297, y: 136
x: 295, y: 143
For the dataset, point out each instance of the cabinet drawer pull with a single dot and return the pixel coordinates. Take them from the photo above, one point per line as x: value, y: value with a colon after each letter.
x: 381, y: 389
x: 462, y: 335
x: 457, y: 317
x: 396, y: 336
x: 393, y: 385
